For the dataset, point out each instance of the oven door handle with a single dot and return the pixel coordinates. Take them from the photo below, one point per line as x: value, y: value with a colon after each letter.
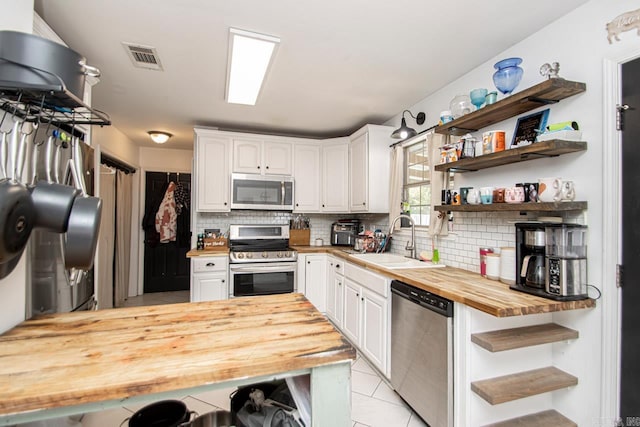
x: 263, y: 269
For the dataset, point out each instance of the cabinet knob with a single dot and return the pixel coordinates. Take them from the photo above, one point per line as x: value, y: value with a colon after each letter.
x: 211, y: 264
x: 297, y: 204
x: 363, y: 204
x: 357, y: 294
x: 225, y: 203
x: 339, y: 283
x: 323, y: 205
x: 308, y: 262
x: 258, y: 167
x: 267, y: 167
x: 222, y: 280
x: 362, y: 299
x: 337, y: 265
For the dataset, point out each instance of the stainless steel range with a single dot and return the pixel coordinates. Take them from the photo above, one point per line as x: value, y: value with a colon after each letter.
x: 260, y: 260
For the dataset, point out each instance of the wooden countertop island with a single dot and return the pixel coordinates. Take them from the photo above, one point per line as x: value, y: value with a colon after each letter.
x: 69, y: 363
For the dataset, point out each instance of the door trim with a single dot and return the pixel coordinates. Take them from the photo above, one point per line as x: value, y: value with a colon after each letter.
x: 611, y: 234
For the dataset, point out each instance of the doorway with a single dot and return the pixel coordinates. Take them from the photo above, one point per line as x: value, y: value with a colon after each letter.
x: 630, y: 235
x: 166, y: 266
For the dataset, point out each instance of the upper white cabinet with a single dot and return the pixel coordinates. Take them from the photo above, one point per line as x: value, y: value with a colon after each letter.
x: 212, y: 174
x: 335, y: 175
x: 306, y: 172
x: 262, y: 156
x: 369, y: 161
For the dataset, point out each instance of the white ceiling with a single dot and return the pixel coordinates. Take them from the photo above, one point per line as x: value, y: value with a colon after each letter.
x: 341, y: 63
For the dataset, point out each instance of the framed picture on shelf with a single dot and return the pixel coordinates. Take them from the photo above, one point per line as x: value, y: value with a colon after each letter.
x: 528, y: 128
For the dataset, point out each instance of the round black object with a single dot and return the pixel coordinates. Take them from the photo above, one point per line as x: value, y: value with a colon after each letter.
x: 17, y: 217
x: 166, y: 413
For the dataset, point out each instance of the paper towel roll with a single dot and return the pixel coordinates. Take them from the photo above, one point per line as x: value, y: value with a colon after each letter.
x: 508, y: 265
x: 493, y: 266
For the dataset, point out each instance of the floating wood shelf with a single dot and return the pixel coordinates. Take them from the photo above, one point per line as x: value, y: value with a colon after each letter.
x: 522, y: 384
x: 539, y: 419
x: 548, y: 92
x: 515, y: 207
x: 508, y: 339
x: 538, y: 150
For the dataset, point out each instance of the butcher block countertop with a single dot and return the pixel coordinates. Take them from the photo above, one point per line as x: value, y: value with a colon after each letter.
x: 490, y: 296
x: 86, y: 357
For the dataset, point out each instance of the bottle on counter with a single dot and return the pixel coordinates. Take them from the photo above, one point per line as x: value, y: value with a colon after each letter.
x: 200, y: 244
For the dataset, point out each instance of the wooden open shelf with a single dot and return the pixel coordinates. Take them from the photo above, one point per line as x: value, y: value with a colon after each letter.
x: 508, y: 339
x: 537, y: 150
x: 522, y: 384
x: 549, y: 91
x: 539, y: 419
x: 515, y: 207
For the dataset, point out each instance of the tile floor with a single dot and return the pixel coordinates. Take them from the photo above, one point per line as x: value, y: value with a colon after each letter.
x: 373, y: 402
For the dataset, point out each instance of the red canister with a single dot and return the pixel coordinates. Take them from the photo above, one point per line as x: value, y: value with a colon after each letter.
x: 483, y: 260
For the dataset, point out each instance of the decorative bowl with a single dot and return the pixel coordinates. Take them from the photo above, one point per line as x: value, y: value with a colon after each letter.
x: 460, y: 105
x: 478, y: 97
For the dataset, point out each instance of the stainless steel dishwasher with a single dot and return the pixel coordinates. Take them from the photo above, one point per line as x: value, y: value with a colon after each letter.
x: 422, y: 352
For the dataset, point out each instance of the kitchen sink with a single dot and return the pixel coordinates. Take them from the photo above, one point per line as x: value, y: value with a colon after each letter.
x: 393, y: 261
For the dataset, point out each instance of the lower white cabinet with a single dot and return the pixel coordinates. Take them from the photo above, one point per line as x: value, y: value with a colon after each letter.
x: 315, y: 278
x: 335, y: 290
x: 366, y: 317
x: 209, y: 278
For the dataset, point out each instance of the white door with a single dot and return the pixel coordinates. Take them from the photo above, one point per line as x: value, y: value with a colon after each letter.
x: 358, y: 160
x: 212, y: 176
x: 278, y: 158
x: 315, y: 278
x: 335, y: 178
x: 352, y: 304
x: 306, y: 171
x: 374, y: 328
x: 209, y: 287
x: 247, y: 155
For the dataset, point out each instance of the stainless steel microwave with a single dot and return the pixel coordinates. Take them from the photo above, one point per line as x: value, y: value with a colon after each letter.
x: 261, y: 192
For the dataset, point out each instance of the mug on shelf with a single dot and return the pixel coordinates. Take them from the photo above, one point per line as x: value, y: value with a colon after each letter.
x: 486, y: 195
x: 550, y: 189
x: 498, y: 195
x: 473, y: 196
x: 568, y: 191
x: 514, y: 195
x: 464, y: 191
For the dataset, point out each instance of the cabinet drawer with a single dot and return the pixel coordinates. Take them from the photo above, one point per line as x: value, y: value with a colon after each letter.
x: 369, y: 280
x: 337, y: 265
x: 206, y: 264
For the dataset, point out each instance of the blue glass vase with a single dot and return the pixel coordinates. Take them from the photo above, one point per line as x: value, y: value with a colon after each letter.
x: 508, y: 75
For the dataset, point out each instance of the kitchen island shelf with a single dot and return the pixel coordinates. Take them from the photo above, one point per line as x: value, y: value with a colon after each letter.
x: 515, y: 207
x: 548, y: 92
x: 551, y: 148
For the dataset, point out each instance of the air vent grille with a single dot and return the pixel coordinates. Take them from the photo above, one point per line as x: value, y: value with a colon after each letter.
x: 143, y: 56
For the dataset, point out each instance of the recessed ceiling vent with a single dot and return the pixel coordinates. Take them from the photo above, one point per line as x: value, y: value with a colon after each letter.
x: 143, y: 56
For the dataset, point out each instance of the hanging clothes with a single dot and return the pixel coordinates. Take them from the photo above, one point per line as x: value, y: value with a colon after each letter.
x: 151, y: 236
x: 182, y: 197
x: 166, y: 216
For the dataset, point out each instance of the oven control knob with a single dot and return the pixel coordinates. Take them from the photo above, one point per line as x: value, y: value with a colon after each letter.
x: 279, y: 255
x: 265, y: 255
x: 287, y: 254
x: 240, y: 255
x: 249, y: 255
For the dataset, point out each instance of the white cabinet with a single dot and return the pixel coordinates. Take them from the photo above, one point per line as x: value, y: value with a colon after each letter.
x: 366, y: 316
x: 306, y: 172
x: 335, y: 290
x: 315, y: 278
x: 213, y: 157
x: 209, y: 278
x: 369, y: 167
x: 335, y: 175
x: 262, y: 156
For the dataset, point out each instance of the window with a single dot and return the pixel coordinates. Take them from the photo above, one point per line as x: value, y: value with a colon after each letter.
x: 417, y: 184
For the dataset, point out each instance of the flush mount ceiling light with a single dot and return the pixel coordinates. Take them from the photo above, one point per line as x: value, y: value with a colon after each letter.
x: 159, y: 137
x: 250, y: 56
x: 404, y: 131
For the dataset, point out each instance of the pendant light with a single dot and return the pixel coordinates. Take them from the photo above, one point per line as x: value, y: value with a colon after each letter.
x: 404, y: 131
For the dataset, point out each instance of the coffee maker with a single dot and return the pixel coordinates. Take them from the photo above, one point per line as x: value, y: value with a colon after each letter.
x: 566, y: 260
x: 530, y: 257
x: 551, y: 260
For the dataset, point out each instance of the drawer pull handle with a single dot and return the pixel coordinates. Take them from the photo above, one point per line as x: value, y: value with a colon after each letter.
x: 211, y: 264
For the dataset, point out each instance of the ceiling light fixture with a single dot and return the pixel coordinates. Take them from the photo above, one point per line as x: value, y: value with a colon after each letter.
x: 404, y: 131
x: 250, y: 56
x: 159, y: 137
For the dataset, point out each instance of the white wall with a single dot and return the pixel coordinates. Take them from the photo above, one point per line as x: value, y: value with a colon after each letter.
x: 165, y: 160
x: 578, y: 41
x: 16, y: 16
x: 113, y: 142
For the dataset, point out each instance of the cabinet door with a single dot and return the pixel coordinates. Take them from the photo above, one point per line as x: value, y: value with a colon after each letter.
x: 351, y: 318
x: 278, y: 158
x: 374, y: 328
x: 306, y: 171
x: 335, y: 177
x: 316, y: 281
x: 335, y: 294
x: 358, y: 181
x: 209, y: 287
x: 213, y: 156
x: 247, y: 155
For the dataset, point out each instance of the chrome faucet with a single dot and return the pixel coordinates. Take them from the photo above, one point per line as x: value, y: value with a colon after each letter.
x: 411, y: 245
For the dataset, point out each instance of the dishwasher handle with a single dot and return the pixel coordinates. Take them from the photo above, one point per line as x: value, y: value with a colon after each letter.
x: 423, y: 298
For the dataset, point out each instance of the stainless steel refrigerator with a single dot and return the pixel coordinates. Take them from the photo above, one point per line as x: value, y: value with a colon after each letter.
x: 52, y: 288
